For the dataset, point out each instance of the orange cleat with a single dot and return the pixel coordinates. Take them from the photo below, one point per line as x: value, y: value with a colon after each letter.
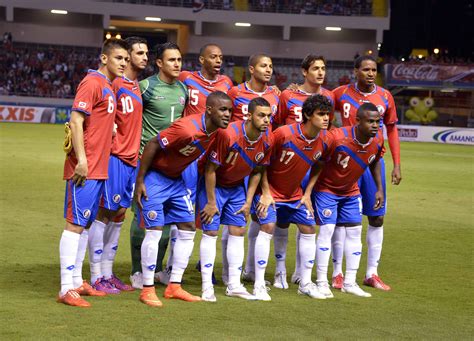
x: 72, y: 298
x: 174, y: 290
x: 338, y: 281
x: 148, y: 296
x: 375, y: 282
x: 87, y: 290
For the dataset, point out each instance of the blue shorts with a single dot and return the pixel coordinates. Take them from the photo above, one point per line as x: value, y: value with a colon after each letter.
x: 168, y: 202
x: 81, y: 203
x: 228, y: 200
x: 285, y: 213
x: 120, y: 185
x: 368, y: 189
x: 335, y: 209
x: 190, y: 177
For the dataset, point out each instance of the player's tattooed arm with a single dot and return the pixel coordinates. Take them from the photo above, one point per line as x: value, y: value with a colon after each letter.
x: 375, y: 169
x: 151, y: 148
x: 77, y: 133
x: 210, y: 210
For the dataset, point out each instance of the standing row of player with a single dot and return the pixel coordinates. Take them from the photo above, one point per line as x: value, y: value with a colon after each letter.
x: 169, y: 159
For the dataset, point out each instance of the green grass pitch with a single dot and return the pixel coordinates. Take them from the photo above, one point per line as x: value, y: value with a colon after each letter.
x: 427, y: 259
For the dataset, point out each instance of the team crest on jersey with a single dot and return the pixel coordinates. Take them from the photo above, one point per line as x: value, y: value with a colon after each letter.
x: 164, y: 140
x: 116, y: 198
x: 82, y: 105
x: 371, y: 158
x: 316, y: 156
x: 381, y: 109
x: 152, y: 215
x: 182, y: 100
x: 259, y: 157
x: 274, y: 109
x: 327, y: 212
x: 214, y: 155
x: 86, y: 213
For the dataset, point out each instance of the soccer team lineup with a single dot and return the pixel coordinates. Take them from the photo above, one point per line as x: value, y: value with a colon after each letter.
x: 188, y: 152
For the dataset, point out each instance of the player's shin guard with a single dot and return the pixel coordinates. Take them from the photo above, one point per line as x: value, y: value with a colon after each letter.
x: 262, y: 252
x: 149, y: 251
x: 225, y: 262
x: 323, y: 251
x: 235, y: 256
x: 183, y: 249
x: 111, y: 239
x: 338, y: 249
x: 207, y: 255
x: 136, y: 238
x: 254, y: 228
x: 173, y: 238
x: 68, y: 246
x: 81, y: 253
x: 307, y: 249
x: 353, y: 252
x: 96, y: 248
x: 374, y: 249
x: 280, y: 242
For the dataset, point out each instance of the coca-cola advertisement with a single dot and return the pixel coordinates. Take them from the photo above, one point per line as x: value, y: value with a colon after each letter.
x: 431, y: 75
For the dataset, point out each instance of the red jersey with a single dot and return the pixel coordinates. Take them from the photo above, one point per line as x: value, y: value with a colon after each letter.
x: 94, y: 98
x: 348, y: 99
x: 199, y: 88
x: 346, y: 162
x: 241, y: 96
x: 128, y: 119
x: 292, y: 156
x: 236, y: 155
x: 182, y: 143
x: 291, y: 104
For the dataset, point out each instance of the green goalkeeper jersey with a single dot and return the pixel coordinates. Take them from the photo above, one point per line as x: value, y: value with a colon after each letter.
x: 163, y: 104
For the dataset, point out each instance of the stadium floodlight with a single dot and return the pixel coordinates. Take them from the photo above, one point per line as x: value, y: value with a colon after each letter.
x: 152, y: 19
x: 58, y: 11
x: 332, y: 28
x: 403, y: 59
x: 436, y: 50
x: 112, y: 27
x: 118, y: 36
x: 243, y: 24
x: 108, y: 36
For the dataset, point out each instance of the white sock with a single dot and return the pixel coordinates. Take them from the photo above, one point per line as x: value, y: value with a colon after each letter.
x: 81, y: 253
x: 225, y: 263
x: 297, y: 252
x: 280, y: 241
x: 323, y: 251
x: 111, y: 239
x: 183, y: 247
x: 262, y: 252
x: 352, y: 251
x: 96, y: 248
x: 235, y: 256
x: 68, y: 246
x: 173, y: 238
x: 149, y: 252
x: 254, y: 228
x: 307, y: 247
x: 374, y: 249
x: 207, y: 255
x: 338, y: 249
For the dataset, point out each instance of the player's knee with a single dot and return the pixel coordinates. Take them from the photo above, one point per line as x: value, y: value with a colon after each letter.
x: 211, y: 233
x: 189, y: 226
x: 307, y: 229
x: 268, y: 228
x: 376, y: 221
x: 73, y: 228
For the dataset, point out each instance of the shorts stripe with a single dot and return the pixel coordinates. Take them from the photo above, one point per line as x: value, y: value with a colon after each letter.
x: 75, y: 201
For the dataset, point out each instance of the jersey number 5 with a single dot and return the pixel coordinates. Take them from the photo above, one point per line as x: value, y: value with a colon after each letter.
x: 343, y: 161
x: 298, y: 114
x: 194, y: 95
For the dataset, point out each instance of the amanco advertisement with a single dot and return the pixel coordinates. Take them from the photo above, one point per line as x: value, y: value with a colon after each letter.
x: 436, y: 134
x: 33, y: 114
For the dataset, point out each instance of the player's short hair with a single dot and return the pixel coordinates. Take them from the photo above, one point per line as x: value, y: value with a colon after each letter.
x: 134, y: 40
x: 358, y: 61
x: 254, y: 59
x: 113, y: 43
x: 313, y: 103
x: 310, y: 59
x: 366, y: 107
x: 257, y: 102
x: 161, y: 48
x: 203, y: 48
x: 213, y: 96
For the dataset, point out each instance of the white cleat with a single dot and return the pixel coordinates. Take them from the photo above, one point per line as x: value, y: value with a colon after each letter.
x: 163, y: 277
x: 240, y: 292
x: 261, y: 293
x: 295, y: 278
x: 354, y: 289
x: 137, y: 280
x: 324, y: 289
x: 310, y: 289
x: 280, y: 281
x: 208, y: 295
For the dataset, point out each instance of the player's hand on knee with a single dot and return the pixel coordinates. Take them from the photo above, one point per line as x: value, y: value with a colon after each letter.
x: 306, y: 201
x: 245, y: 209
x: 140, y: 192
x: 208, y: 212
x: 80, y: 174
x: 379, y: 198
x: 396, y: 175
x: 263, y: 204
